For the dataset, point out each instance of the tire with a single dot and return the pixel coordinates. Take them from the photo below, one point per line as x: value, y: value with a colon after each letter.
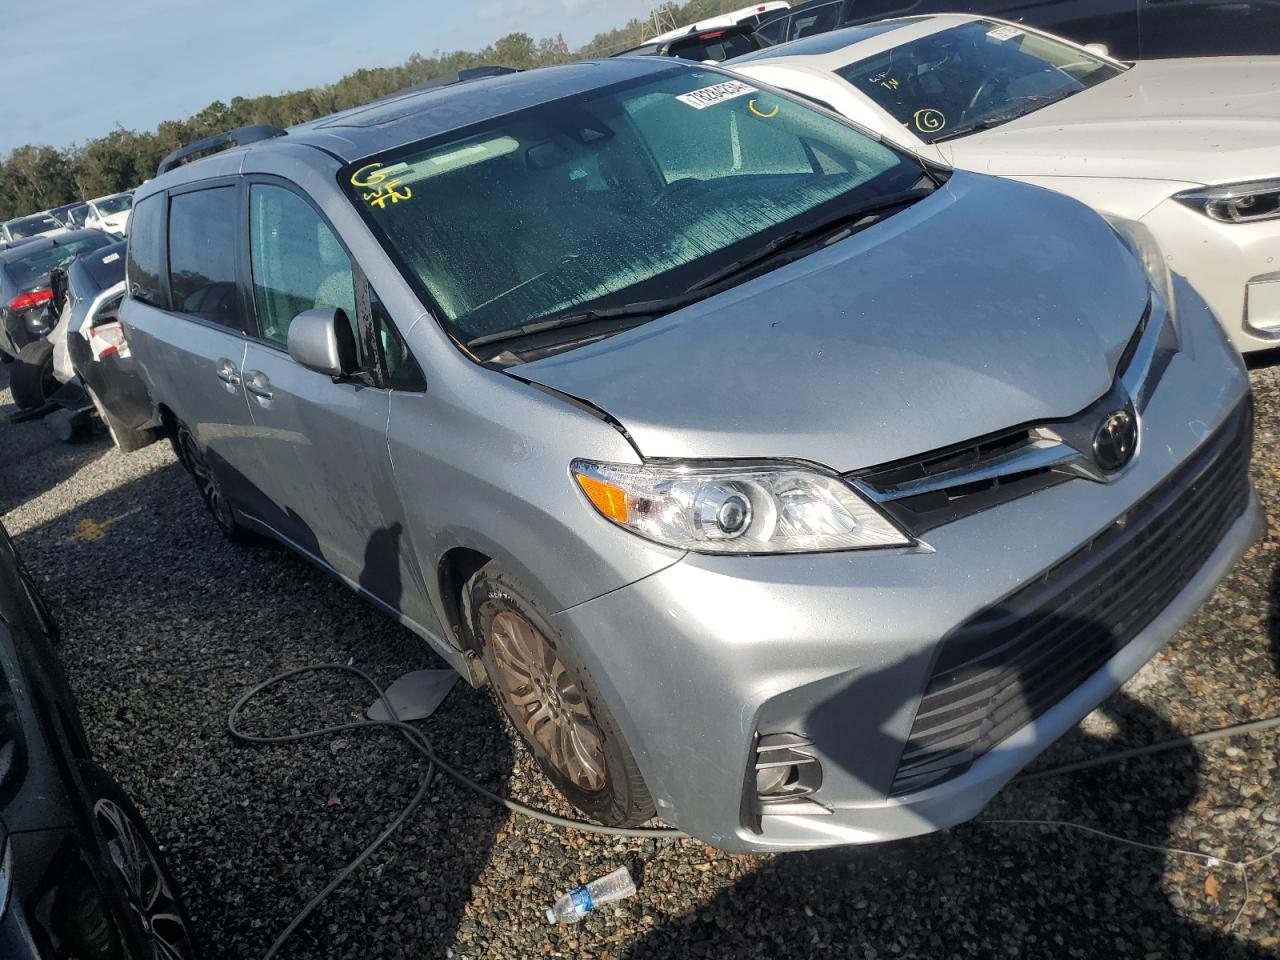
x: 157, y: 913
x: 32, y: 380
x: 553, y: 702
x: 125, y: 437
x: 210, y: 489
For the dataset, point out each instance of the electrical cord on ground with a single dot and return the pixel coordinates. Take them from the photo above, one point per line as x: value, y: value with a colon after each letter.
x: 1221, y: 733
x: 419, y: 742
x: 1241, y: 865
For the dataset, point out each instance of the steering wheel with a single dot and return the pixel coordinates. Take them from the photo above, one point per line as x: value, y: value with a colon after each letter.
x: 986, y: 89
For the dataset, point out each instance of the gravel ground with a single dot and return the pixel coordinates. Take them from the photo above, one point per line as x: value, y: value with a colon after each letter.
x: 165, y: 625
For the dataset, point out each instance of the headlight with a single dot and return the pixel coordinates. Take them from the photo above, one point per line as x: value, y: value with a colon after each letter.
x: 747, y: 509
x: 1236, y: 202
x: 1143, y: 243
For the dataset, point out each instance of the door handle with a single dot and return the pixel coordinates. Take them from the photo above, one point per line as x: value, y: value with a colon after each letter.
x: 228, y: 373
x: 256, y: 382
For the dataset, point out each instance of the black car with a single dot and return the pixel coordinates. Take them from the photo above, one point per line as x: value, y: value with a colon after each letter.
x: 25, y: 295
x: 1131, y: 29
x: 98, y: 350
x: 716, y: 43
x: 80, y: 874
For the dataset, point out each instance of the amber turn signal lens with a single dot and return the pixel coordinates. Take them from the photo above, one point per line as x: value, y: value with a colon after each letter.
x: 608, y: 499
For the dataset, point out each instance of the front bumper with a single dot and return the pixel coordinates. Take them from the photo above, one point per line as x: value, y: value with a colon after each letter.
x: 1235, y: 267
x: 699, y: 658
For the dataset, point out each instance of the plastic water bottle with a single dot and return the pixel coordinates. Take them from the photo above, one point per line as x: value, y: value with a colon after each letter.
x: 577, y: 903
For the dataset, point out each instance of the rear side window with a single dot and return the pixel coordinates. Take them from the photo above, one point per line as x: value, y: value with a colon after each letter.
x: 809, y: 22
x: 146, y: 252
x: 773, y: 31
x: 715, y: 46
x: 202, y: 256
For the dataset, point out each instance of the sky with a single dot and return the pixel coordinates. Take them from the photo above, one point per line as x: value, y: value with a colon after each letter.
x: 74, y: 70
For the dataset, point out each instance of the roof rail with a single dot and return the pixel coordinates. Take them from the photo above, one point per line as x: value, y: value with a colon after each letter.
x: 238, y: 137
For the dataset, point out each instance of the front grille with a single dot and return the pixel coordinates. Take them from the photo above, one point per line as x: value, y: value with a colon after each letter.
x: 1010, y: 663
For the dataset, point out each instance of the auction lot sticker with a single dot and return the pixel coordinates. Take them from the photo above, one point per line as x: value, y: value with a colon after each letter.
x: 718, y: 93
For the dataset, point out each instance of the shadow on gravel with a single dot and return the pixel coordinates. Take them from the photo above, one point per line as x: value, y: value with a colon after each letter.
x: 165, y: 624
x: 32, y: 460
x: 981, y: 889
x: 1273, y: 620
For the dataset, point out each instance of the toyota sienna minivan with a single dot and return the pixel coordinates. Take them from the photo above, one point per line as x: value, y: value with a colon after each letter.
x: 779, y: 483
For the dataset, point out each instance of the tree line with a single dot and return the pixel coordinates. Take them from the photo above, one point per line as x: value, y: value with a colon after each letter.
x: 39, y: 177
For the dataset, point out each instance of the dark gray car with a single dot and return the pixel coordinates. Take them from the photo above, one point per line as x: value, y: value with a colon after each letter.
x: 779, y: 483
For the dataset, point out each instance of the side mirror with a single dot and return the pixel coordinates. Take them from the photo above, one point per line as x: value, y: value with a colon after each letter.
x: 321, y: 340
x: 1100, y: 49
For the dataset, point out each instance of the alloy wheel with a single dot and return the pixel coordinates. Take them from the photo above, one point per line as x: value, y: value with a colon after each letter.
x: 148, y: 894
x: 206, y: 482
x: 547, y: 700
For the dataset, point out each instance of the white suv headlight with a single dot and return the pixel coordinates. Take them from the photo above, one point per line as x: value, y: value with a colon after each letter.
x: 739, y: 509
x: 1236, y: 202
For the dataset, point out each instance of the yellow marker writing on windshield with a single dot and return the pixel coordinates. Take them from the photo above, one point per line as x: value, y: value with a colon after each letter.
x: 383, y: 190
x: 929, y: 120
x: 751, y: 105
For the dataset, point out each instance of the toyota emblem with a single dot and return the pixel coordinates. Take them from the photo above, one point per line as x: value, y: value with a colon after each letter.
x: 1115, y: 440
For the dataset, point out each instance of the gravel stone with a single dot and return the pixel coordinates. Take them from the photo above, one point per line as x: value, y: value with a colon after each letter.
x: 165, y: 624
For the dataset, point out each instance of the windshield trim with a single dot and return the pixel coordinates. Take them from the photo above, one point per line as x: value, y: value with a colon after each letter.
x: 460, y: 337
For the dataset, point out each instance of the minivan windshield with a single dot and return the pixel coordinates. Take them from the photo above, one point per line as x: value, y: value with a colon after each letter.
x: 633, y: 192
x: 973, y: 76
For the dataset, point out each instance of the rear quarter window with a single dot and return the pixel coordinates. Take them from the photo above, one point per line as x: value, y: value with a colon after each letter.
x: 145, y: 263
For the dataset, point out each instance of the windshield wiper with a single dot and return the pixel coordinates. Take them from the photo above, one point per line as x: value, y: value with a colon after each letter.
x: 574, y: 318
x: 713, y: 283
x: 827, y: 229
x: 995, y: 120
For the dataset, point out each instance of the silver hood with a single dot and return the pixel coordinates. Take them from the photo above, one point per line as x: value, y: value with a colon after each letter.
x: 988, y: 304
x: 1203, y: 121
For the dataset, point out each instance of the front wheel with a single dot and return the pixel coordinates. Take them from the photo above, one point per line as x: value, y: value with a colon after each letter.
x: 157, y: 914
x: 554, y: 704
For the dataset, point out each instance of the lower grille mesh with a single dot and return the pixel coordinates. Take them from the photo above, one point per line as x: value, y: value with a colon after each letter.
x: 1012, y: 662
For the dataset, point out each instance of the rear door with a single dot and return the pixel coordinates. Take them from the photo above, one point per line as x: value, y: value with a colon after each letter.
x: 184, y: 321
x: 328, y: 441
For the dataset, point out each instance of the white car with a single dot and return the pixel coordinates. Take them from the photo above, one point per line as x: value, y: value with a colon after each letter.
x: 110, y: 214
x: 1189, y: 148
x: 744, y: 15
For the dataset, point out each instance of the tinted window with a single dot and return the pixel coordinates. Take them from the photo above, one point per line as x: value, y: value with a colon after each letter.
x: 626, y: 193
x: 773, y: 31
x: 202, y: 262
x: 297, y: 262
x: 715, y: 47
x: 976, y: 75
x: 818, y: 20
x: 146, y: 251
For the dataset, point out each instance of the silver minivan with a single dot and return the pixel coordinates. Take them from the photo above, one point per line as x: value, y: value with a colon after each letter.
x: 780, y: 483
